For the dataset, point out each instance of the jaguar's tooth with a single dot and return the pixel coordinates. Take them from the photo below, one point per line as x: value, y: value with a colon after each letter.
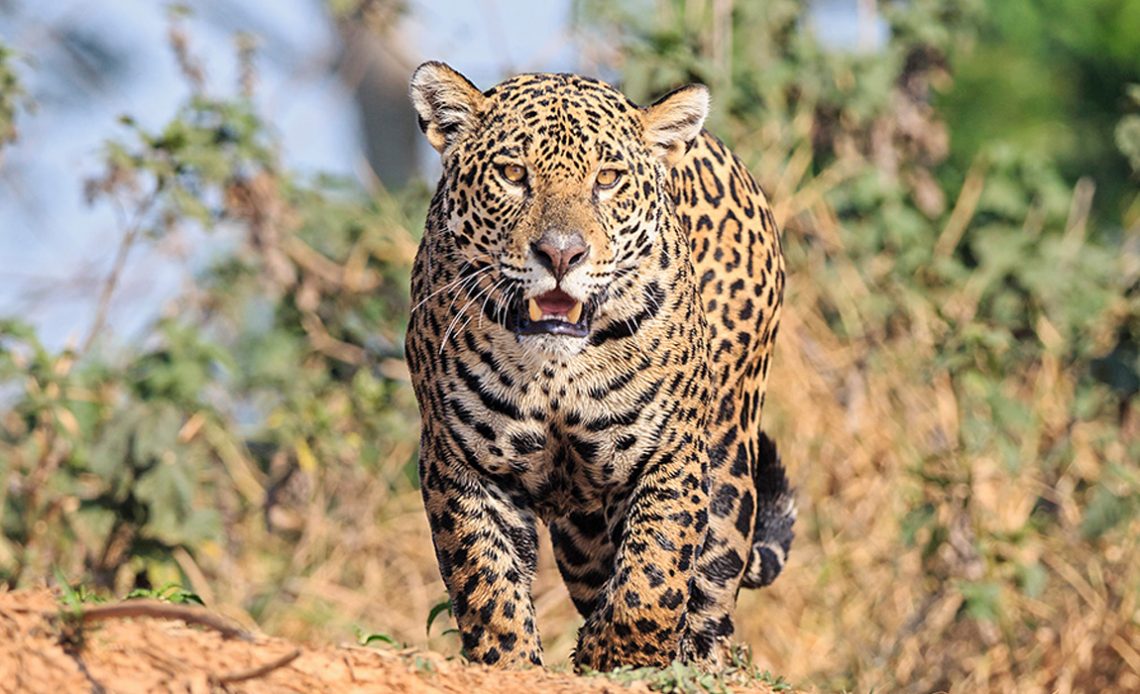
x: 575, y: 313
x: 535, y: 311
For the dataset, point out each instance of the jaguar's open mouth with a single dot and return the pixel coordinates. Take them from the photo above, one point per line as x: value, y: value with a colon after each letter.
x: 554, y: 313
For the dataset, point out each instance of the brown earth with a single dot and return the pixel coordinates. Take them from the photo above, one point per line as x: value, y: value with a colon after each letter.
x: 146, y: 646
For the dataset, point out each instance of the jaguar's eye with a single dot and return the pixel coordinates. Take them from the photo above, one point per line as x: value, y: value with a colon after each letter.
x: 608, y: 178
x: 515, y: 173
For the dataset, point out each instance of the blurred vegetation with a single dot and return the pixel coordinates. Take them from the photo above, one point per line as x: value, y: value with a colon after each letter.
x: 131, y: 465
x: 958, y: 370
x: 12, y: 95
x: 1046, y: 76
x: 956, y: 385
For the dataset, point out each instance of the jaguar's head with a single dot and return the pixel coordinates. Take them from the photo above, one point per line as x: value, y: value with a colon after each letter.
x: 554, y: 193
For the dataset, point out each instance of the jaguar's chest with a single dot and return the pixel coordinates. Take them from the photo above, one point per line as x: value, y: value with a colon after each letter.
x: 566, y: 432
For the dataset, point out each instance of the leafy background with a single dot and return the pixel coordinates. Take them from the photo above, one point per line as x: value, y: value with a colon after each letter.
x: 955, y: 391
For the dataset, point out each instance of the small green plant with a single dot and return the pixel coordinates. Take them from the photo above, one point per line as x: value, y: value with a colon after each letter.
x: 743, y: 665
x: 776, y: 682
x: 73, y: 598
x: 436, y: 610
x: 423, y: 665
x: 368, y: 638
x: 680, y: 678
x: 171, y: 592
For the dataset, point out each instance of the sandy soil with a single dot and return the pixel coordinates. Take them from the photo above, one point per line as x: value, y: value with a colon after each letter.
x: 117, y: 648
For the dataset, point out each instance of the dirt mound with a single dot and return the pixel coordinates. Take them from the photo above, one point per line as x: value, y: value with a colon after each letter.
x: 138, y: 646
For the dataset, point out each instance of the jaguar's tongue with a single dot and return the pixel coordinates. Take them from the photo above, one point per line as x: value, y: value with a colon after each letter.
x: 555, y: 305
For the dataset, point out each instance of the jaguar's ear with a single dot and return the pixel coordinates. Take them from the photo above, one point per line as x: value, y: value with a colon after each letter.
x: 675, y: 120
x: 446, y: 102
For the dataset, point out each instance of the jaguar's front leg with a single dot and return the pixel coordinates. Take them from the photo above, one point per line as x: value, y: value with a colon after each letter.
x: 640, y: 616
x: 486, y: 547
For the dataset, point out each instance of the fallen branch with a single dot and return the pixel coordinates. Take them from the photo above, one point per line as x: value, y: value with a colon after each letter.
x: 260, y: 670
x: 162, y: 610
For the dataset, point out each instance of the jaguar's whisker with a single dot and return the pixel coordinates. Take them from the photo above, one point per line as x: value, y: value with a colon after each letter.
x: 483, y: 308
x: 460, y: 280
x: 460, y: 313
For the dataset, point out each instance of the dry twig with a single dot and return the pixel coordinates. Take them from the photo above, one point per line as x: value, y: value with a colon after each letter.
x: 161, y: 610
x: 260, y: 670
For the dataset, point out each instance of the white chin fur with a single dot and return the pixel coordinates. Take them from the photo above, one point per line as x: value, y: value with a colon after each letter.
x: 554, y: 345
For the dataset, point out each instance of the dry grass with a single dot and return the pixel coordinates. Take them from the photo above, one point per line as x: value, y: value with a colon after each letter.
x: 870, y: 428
x: 852, y: 421
x: 868, y: 600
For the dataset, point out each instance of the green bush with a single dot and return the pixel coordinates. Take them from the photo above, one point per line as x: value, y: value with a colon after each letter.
x: 288, y: 353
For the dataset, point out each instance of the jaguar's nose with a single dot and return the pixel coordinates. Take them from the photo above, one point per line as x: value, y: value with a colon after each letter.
x: 561, y: 252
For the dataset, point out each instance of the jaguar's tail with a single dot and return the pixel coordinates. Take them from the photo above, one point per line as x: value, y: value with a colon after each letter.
x: 775, y: 515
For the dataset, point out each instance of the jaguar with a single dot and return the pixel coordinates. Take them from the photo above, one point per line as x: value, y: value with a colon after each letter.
x: 595, y: 301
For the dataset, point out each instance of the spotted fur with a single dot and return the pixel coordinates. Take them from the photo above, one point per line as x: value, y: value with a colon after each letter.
x: 639, y: 442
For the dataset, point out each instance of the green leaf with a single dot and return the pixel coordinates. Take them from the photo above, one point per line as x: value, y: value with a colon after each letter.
x: 365, y: 639
x: 982, y: 599
x: 171, y: 592
x: 437, y: 610
x: 156, y: 433
x: 1106, y: 511
x: 1032, y: 578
